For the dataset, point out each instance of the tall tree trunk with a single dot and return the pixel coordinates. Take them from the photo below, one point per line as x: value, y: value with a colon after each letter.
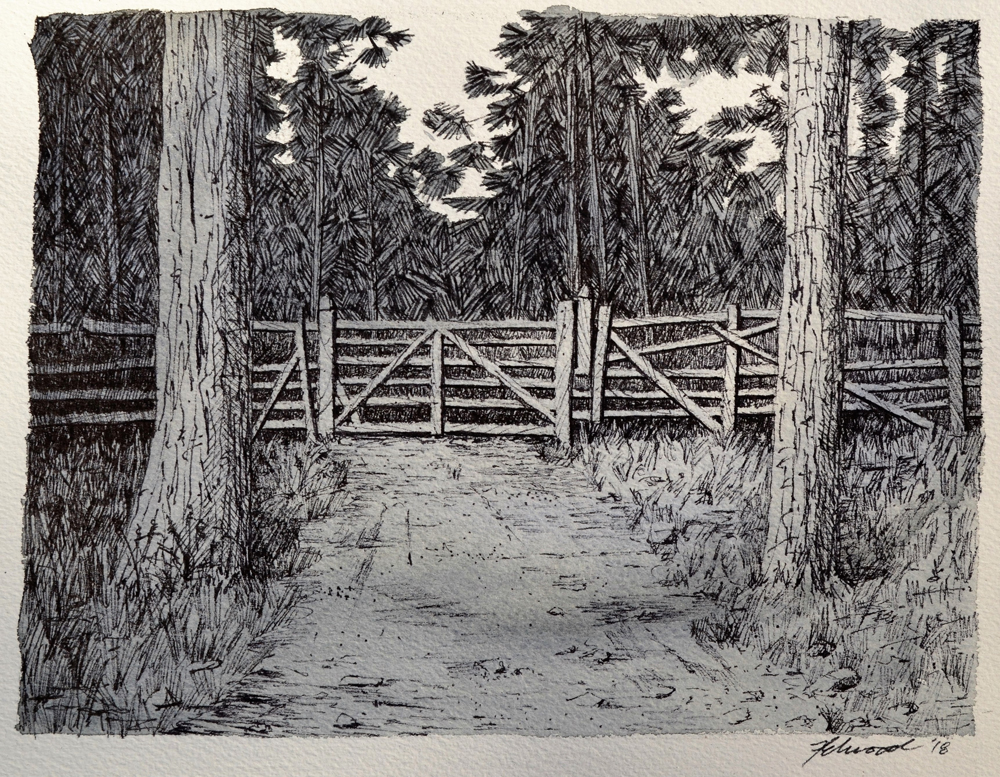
x: 920, y: 239
x: 523, y: 199
x: 255, y: 191
x: 632, y: 153
x: 962, y: 99
x: 111, y: 248
x: 805, y: 473
x: 572, y: 238
x: 922, y: 93
x: 192, y: 514
x: 61, y: 227
x: 373, y: 302
x: 593, y: 174
x: 319, y: 195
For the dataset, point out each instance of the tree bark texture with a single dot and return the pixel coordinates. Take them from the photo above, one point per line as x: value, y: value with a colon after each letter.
x: 192, y: 514
x: 524, y: 198
x: 319, y: 198
x: 111, y: 248
x: 633, y: 150
x: 805, y: 474
x: 593, y: 174
x: 374, y: 308
x: 573, y: 275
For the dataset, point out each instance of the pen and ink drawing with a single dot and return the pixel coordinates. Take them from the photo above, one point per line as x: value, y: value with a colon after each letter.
x: 639, y: 394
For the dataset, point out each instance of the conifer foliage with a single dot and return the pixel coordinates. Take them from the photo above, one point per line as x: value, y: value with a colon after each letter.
x: 95, y: 197
x: 597, y: 173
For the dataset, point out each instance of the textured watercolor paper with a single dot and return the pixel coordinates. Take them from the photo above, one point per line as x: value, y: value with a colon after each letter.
x: 353, y: 716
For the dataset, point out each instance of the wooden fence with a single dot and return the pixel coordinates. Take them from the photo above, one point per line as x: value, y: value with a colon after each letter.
x: 933, y: 375
x: 101, y: 372
x: 520, y: 377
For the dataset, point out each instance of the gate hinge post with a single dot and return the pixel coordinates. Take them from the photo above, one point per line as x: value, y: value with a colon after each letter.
x: 566, y: 336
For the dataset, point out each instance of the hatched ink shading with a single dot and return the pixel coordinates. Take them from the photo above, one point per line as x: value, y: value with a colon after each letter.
x: 612, y: 406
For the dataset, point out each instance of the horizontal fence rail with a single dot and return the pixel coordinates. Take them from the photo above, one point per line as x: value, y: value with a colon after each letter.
x: 715, y: 367
x: 520, y: 377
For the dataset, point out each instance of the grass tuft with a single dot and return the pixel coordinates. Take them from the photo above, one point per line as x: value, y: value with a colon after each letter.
x: 699, y: 503
x: 893, y: 646
x: 100, y: 657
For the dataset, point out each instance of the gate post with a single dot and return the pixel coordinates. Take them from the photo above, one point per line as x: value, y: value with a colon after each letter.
x: 584, y: 331
x: 300, y: 347
x: 325, y: 389
x: 952, y: 334
x: 437, y: 384
x: 599, y: 364
x: 730, y: 374
x: 565, y: 339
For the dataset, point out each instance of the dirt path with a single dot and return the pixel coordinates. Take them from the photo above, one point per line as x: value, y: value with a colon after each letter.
x: 472, y: 586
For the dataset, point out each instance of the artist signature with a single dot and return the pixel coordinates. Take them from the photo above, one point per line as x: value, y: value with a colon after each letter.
x: 845, y: 746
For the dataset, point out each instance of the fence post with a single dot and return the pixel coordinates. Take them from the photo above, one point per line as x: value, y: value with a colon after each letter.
x: 326, y: 387
x: 730, y: 374
x: 598, y: 366
x: 565, y: 339
x: 437, y: 384
x: 952, y: 333
x: 584, y: 331
x: 300, y: 346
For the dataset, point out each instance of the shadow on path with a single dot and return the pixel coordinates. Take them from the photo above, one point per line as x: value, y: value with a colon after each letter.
x: 469, y: 586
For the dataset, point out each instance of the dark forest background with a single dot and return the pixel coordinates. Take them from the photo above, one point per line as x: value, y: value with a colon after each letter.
x: 588, y: 182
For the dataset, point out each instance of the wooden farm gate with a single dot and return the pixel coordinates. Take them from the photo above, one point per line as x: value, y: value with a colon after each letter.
x: 425, y: 377
x: 715, y: 367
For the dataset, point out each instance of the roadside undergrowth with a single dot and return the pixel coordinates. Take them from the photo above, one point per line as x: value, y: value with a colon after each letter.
x: 101, y: 658
x: 893, y: 647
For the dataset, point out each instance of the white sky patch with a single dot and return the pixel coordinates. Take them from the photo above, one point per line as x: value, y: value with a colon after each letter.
x: 706, y: 94
x: 648, y: 85
x: 854, y: 135
x: 284, y: 70
x: 940, y: 61
x: 431, y: 69
x: 893, y: 70
x: 439, y: 56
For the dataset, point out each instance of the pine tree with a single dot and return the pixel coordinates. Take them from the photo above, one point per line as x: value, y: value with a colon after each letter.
x: 192, y: 515
x: 323, y: 100
x: 802, y: 516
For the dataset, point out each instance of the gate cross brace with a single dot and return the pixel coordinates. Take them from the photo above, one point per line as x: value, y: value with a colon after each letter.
x: 344, y: 398
x: 850, y: 388
x: 279, y: 386
x: 889, y: 407
x: 666, y: 385
x: 695, y: 342
x: 494, y: 369
x: 746, y: 345
x: 370, y: 389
